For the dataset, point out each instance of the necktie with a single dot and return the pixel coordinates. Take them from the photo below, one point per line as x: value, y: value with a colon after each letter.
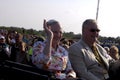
x: 98, y: 57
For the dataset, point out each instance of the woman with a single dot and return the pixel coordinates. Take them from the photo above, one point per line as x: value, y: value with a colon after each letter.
x: 49, y: 55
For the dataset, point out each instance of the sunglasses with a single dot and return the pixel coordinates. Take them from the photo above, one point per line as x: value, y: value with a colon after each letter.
x: 94, y: 30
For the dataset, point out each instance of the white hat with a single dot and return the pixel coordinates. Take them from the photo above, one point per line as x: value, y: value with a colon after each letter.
x: 2, y: 37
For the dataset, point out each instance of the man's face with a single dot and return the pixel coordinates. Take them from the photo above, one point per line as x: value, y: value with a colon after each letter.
x: 91, y: 33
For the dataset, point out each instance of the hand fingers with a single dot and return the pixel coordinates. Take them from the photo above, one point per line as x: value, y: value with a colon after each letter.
x: 44, y: 24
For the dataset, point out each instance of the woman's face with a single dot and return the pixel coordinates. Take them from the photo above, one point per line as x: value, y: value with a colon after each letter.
x: 57, y: 32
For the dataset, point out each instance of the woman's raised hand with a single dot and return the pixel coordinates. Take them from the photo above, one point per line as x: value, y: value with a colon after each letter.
x: 47, y: 29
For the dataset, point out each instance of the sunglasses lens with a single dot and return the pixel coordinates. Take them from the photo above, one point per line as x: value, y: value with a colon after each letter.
x: 94, y: 30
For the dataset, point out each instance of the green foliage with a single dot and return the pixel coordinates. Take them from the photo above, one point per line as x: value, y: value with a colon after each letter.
x: 22, y: 30
x: 68, y: 35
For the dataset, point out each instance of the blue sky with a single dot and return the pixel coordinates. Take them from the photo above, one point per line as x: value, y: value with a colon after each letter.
x: 70, y: 13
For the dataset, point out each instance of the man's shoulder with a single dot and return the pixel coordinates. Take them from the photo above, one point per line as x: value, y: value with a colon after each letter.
x: 76, y: 46
x: 79, y: 43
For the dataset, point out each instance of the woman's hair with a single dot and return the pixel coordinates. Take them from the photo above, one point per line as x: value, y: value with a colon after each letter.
x: 51, y: 22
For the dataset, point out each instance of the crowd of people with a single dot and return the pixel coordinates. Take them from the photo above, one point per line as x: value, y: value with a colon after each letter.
x: 84, y: 59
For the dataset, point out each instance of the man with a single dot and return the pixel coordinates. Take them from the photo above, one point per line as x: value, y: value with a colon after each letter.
x: 18, y: 50
x: 89, y: 60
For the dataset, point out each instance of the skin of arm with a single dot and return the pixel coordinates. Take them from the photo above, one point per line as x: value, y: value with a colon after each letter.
x: 47, y: 48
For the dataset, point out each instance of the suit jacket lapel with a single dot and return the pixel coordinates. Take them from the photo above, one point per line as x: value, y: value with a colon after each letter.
x: 88, y: 49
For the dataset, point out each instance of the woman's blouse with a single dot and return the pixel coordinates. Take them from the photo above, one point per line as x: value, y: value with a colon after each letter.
x: 58, y: 60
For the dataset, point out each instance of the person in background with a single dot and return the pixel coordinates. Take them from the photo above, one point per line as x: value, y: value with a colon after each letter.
x: 114, y: 70
x: 114, y: 52
x: 65, y: 43
x: 4, y: 49
x: 10, y: 38
x: 49, y: 55
x: 89, y: 59
x: 18, y: 50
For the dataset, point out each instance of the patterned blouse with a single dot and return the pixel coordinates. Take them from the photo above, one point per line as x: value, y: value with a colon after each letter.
x: 58, y: 60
